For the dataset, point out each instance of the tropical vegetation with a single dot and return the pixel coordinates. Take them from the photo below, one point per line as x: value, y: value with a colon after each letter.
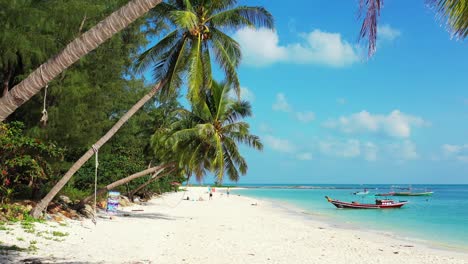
x: 101, y: 86
x: 206, y: 138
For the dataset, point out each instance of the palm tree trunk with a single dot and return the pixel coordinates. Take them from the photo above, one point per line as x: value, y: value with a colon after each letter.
x: 152, y: 179
x: 42, y: 205
x: 156, y: 170
x: 72, y: 52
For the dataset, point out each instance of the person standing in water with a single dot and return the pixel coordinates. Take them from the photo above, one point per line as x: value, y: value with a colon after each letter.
x: 227, y: 192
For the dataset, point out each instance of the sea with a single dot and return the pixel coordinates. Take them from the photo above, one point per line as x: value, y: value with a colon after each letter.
x: 440, y: 219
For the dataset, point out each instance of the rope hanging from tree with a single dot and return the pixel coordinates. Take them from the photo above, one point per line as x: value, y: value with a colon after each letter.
x: 45, y: 115
x: 96, y: 152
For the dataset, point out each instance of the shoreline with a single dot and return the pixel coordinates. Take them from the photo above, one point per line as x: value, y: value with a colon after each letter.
x: 235, y: 229
x: 353, y: 225
x: 327, y: 219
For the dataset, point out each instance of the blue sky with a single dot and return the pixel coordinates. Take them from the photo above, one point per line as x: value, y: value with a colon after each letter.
x: 326, y: 114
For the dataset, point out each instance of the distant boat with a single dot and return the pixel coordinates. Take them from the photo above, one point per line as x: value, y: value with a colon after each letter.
x: 413, y: 194
x: 385, y: 194
x: 361, y: 193
x: 379, y: 204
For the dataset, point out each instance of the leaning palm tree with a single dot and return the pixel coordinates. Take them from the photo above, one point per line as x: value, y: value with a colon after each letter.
x: 454, y: 11
x: 227, y: 17
x: 206, y: 138
x: 197, y: 33
x: 79, y: 47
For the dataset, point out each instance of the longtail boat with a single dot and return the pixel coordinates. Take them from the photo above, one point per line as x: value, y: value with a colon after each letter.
x: 385, y: 194
x: 379, y: 204
x: 412, y: 194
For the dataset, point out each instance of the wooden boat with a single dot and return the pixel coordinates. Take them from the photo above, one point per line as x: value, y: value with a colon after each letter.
x: 413, y: 194
x: 379, y: 204
x: 385, y: 194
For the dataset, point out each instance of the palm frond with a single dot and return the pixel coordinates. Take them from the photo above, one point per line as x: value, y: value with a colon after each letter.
x: 206, y: 62
x: 149, y: 57
x: 238, y: 110
x: 217, y: 6
x: 227, y: 61
x: 456, y: 14
x: 247, y: 139
x: 242, y: 16
x: 160, y: 11
x: 371, y: 8
x: 195, y: 73
x: 184, y: 19
x: 232, y: 47
x: 171, y: 67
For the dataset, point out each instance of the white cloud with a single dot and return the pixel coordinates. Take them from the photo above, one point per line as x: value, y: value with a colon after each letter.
x: 386, y: 32
x: 281, y: 103
x: 457, y: 152
x: 304, y: 156
x: 261, y: 47
x: 278, y: 144
x: 305, y: 117
x: 395, y: 124
x: 370, y: 151
x: 350, y: 148
x: 405, y: 150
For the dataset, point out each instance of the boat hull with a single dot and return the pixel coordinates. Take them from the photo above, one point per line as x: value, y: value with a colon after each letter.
x: 413, y: 194
x: 385, y: 194
x: 354, y: 205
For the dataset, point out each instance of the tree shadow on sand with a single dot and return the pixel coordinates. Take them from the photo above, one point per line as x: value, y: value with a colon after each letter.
x: 146, y: 216
x: 15, y: 254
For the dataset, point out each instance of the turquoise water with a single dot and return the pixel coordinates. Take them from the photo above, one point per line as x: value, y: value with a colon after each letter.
x: 442, y: 218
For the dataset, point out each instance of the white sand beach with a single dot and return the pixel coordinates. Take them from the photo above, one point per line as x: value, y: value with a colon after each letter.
x: 222, y: 230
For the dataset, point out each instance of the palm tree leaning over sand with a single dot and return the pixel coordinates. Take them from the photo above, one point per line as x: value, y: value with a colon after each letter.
x: 196, y: 35
x: 207, y: 137
x: 192, y: 22
x: 79, y: 47
x: 454, y: 11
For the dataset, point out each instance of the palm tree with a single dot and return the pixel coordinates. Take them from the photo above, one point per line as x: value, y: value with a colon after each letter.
x: 205, y: 139
x: 228, y: 18
x: 454, y: 11
x: 79, y: 47
x: 155, y: 170
x: 196, y: 33
x: 42, y: 205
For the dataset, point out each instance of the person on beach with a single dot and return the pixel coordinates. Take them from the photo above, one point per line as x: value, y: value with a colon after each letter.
x: 211, y: 195
x: 227, y: 192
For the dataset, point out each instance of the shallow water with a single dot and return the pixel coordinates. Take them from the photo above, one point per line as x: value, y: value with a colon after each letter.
x: 442, y: 218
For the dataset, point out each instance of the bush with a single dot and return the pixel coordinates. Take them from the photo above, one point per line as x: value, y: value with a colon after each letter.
x: 25, y: 162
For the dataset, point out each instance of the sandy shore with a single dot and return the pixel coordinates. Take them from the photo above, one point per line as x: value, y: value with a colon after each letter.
x: 222, y: 230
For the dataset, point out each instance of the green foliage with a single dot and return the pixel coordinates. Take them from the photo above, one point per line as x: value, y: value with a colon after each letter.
x: 16, y: 213
x: 59, y: 234
x: 207, y: 138
x: 89, y: 97
x: 25, y: 160
x: 85, y: 101
x: 196, y: 29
